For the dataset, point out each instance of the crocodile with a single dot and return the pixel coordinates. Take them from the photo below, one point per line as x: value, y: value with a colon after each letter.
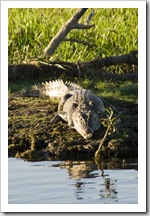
x: 77, y: 106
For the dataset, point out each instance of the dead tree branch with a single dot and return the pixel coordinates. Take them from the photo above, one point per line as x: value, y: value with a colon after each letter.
x: 130, y: 58
x: 65, y: 29
x: 79, y: 41
x: 42, y: 70
x: 90, y: 17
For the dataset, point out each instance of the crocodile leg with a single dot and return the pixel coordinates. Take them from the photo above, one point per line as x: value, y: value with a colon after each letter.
x: 62, y: 102
x: 55, y: 119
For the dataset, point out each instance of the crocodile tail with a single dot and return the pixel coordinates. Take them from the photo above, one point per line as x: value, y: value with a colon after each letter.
x: 73, y: 86
x: 33, y: 91
x: 59, y: 88
x: 56, y: 89
x: 53, y: 89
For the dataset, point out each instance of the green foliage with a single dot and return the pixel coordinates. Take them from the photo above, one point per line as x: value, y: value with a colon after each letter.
x: 110, y: 123
x: 31, y: 29
x: 129, y: 88
x: 115, y: 92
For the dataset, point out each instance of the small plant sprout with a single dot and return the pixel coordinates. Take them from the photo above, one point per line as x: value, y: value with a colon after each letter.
x: 110, y: 122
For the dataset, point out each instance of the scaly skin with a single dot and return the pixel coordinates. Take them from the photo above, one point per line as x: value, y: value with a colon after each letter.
x: 79, y: 107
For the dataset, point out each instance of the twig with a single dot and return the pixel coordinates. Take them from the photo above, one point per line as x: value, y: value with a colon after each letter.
x: 79, y: 41
x: 97, y: 153
x: 110, y: 105
x: 89, y: 17
x: 78, y: 66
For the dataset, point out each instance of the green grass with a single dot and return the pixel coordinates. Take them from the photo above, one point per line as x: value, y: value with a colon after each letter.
x: 115, y: 33
x: 113, y: 92
x: 30, y: 31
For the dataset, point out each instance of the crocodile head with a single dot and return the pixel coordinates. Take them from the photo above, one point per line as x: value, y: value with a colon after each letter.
x: 86, y: 122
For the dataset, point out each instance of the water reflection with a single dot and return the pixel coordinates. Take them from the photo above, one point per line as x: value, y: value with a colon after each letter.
x: 84, y: 169
x: 81, y: 171
x: 76, y: 182
x: 109, y: 191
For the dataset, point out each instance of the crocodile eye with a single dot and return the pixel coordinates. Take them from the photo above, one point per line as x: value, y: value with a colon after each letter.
x: 74, y: 105
x: 91, y: 103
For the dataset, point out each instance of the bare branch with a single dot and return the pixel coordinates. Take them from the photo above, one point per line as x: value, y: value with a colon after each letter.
x: 78, y: 41
x: 89, y: 17
x: 82, y: 26
x: 78, y: 14
x: 65, y: 29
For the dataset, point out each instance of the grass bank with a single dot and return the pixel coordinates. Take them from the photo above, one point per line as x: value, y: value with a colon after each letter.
x: 31, y: 136
x: 30, y: 30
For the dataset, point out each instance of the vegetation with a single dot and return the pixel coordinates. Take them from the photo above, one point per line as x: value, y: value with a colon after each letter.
x: 31, y: 29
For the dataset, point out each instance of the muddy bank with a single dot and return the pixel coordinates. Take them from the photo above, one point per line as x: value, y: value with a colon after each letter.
x: 32, y: 137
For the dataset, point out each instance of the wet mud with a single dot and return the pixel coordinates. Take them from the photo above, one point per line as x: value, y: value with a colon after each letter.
x: 31, y: 136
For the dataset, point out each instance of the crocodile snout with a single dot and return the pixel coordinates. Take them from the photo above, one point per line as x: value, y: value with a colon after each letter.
x: 87, y: 134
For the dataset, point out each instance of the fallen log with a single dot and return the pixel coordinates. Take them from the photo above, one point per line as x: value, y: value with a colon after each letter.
x: 42, y: 70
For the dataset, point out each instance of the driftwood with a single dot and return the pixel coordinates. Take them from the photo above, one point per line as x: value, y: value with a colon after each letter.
x: 41, y: 70
x: 66, y: 28
x: 130, y: 59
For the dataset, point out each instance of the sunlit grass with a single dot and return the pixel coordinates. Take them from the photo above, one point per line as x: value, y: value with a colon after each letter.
x: 115, y: 32
x: 119, y: 91
x: 113, y: 91
x: 30, y: 31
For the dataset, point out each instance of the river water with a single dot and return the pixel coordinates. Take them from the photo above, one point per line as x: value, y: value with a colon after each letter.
x: 57, y: 182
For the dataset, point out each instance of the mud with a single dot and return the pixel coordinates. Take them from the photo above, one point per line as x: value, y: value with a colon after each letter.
x: 31, y: 136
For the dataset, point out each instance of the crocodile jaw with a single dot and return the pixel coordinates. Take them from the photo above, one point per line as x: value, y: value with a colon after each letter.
x: 86, y: 124
x: 87, y: 135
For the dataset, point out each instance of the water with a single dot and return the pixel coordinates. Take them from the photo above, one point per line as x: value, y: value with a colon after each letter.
x: 53, y: 182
